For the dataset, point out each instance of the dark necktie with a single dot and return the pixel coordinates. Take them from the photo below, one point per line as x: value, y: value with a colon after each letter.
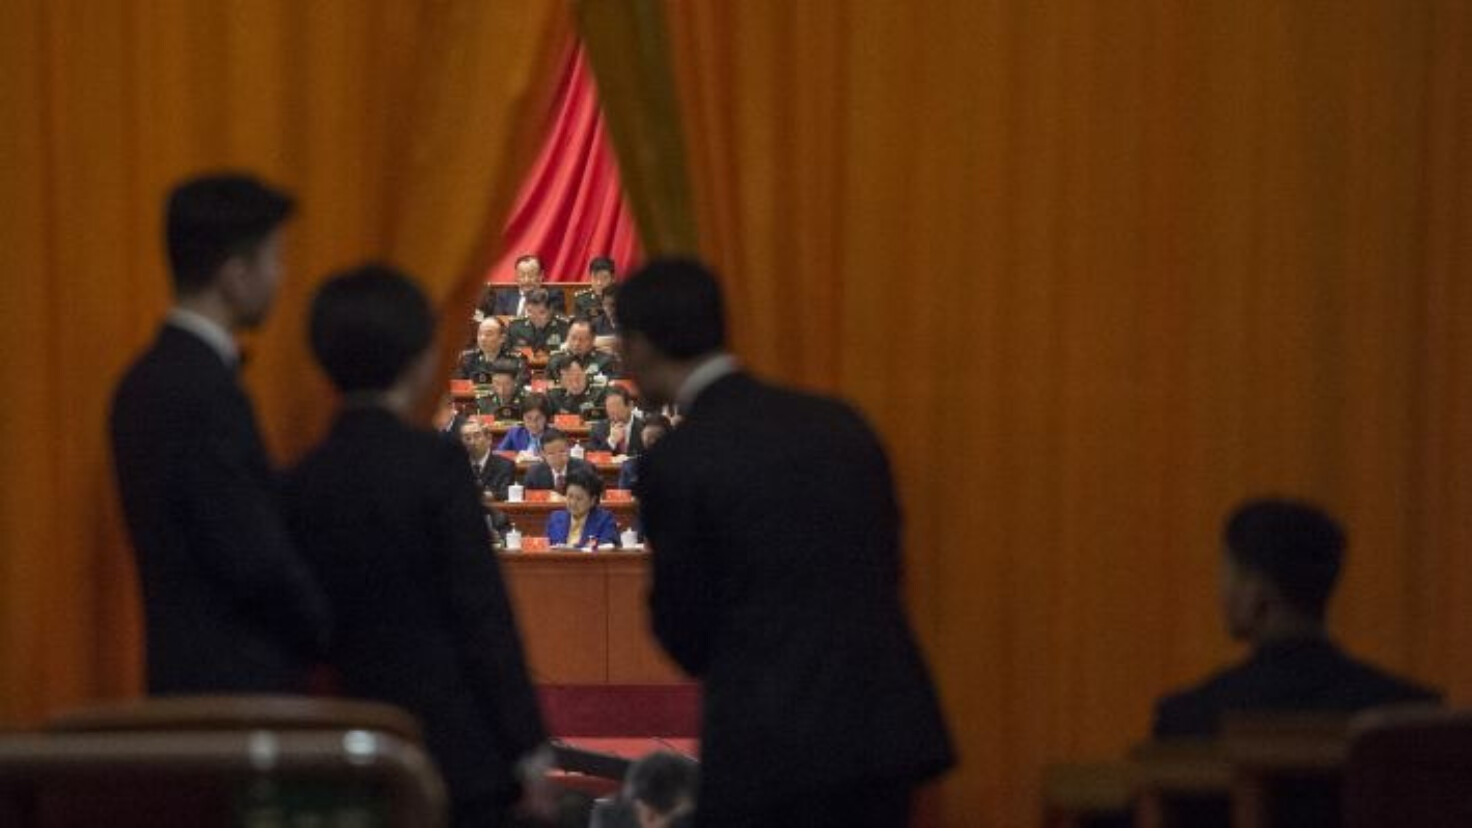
x: 559, y: 484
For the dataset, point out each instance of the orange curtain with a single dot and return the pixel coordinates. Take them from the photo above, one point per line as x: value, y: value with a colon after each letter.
x: 1097, y: 271
x: 400, y: 126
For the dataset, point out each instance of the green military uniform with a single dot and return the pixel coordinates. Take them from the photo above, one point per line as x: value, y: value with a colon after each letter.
x: 587, y: 404
x: 475, y: 366
x: 587, y: 303
x: 491, y: 405
x: 550, y: 338
x: 603, y: 325
x: 596, y: 362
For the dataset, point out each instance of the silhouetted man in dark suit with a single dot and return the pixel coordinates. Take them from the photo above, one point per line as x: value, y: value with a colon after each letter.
x: 1280, y: 563
x: 228, y: 605
x: 390, y: 519
x: 775, y: 534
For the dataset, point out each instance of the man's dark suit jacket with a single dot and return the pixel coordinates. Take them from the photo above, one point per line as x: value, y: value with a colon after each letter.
x: 540, y: 475
x: 776, y: 582
x: 1309, y: 674
x: 504, y: 301
x: 598, y: 436
x: 496, y: 476
x: 228, y: 605
x: 391, y: 521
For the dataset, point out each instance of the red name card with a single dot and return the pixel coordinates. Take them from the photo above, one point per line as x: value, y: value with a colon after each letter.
x: 598, y: 457
x: 567, y: 420
x: 535, y: 544
x: 618, y: 495
x: 539, y: 495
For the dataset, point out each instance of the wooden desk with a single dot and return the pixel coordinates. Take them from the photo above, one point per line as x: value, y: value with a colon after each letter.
x: 531, y: 516
x: 584, y: 618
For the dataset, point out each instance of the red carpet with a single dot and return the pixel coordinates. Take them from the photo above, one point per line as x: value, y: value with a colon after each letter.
x: 621, y: 710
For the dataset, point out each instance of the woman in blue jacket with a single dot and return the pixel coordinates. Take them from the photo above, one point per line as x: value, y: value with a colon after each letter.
x: 583, y: 522
x: 526, y: 438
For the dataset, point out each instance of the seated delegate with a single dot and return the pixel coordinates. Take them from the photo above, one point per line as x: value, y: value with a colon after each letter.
x: 584, y: 522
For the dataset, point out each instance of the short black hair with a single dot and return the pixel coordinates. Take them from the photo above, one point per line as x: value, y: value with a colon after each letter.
x: 573, y: 358
x: 589, y: 481
x: 1294, y: 544
x: 601, y: 264
x: 551, y: 434
x: 621, y: 391
x: 538, y: 296
x: 664, y: 780
x: 213, y: 217
x: 676, y: 304
x: 581, y: 319
x: 502, y: 367
x: 539, y: 403
x: 367, y: 324
x: 525, y: 257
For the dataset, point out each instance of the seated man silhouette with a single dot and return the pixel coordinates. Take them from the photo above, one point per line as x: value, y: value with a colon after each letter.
x: 1281, y: 561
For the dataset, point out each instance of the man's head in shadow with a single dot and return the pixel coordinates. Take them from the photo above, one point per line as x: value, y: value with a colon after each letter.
x: 1280, y: 562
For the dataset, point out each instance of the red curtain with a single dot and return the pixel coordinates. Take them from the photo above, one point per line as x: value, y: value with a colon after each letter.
x: 571, y: 206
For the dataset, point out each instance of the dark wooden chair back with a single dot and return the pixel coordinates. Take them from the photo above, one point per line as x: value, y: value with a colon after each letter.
x: 1409, y: 767
x: 217, y: 778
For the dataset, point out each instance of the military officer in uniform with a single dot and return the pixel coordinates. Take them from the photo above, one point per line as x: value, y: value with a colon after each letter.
x: 540, y: 330
x: 491, y: 347
x: 580, y: 345
x: 589, y: 302
x: 577, y: 395
x: 605, y: 325
x: 505, y: 398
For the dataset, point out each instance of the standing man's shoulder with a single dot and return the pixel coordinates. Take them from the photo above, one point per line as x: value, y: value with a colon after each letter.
x: 176, y: 374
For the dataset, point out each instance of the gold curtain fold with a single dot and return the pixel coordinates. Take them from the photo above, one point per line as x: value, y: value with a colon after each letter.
x: 1097, y: 271
x: 400, y: 126
x: 629, y: 50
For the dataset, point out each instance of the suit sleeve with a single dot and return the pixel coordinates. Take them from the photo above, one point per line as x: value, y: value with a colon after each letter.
x: 508, y: 442
x: 605, y: 529
x: 501, y: 476
x: 598, y: 436
x: 482, y: 611
x: 557, y: 525
x: 229, y: 490
x: 683, y: 601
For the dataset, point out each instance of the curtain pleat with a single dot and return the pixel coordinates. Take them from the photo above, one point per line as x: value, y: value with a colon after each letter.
x: 402, y: 129
x: 1097, y: 271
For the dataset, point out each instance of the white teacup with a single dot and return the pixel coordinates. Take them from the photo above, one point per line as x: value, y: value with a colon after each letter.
x: 629, y: 538
x: 515, y: 493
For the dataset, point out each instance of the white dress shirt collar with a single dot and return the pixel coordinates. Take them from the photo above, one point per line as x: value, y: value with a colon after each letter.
x: 207, y: 331
x: 704, y: 375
